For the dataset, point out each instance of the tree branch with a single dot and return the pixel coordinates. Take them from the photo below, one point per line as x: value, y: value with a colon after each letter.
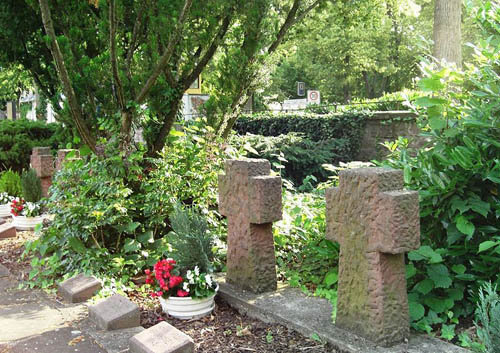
x: 113, y: 57
x: 290, y: 20
x: 173, y: 40
x: 75, y: 108
x: 208, y: 54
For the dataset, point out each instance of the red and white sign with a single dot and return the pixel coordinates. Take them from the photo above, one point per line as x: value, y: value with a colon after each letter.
x: 313, y: 97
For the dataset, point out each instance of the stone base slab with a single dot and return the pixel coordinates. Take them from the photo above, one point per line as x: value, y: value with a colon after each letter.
x: 116, y: 312
x: 161, y: 338
x: 79, y: 288
x: 7, y: 231
x: 309, y: 315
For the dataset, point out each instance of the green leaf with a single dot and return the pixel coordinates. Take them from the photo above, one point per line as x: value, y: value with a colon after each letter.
x: 146, y: 237
x: 132, y: 226
x: 465, y: 226
x: 417, y: 310
x: 411, y: 271
x: 436, y: 304
x: 424, y: 286
x: 429, y: 84
x: 485, y: 245
x: 439, y: 275
x: 77, y: 245
x: 448, y: 332
x: 459, y: 269
x: 437, y: 123
x: 331, y: 278
x: 131, y: 245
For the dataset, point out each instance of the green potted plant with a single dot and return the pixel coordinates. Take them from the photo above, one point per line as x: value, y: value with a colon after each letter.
x: 25, y: 215
x: 10, y: 187
x: 185, y: 286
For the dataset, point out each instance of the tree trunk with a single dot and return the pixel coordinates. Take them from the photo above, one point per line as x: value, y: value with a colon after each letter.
x: 447, y: 31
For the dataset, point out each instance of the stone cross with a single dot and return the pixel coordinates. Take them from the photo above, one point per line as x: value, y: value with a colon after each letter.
x: 43, y: 164
x: 376, y: 222
x: 62, y: 157
x: 251, y: 200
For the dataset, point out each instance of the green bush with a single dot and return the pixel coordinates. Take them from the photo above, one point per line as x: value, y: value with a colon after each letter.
x: 112, y: 215
x: 488, y: 314
x: 18, y: 137
x: 191, y: 240
x: 10, y: 182
x: 305, y: 141
x: 31, y: 186
x: 458, y: 178
x: 298, y: 157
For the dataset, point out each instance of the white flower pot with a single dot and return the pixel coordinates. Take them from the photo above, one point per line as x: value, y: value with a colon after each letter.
x: 5, y: 210
x: 26, y: 223
x: 187, y: 308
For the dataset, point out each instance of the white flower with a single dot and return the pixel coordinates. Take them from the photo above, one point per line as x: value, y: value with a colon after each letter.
x: 196, y: 271
x: 185, y: 287
x: 190, y: 277
x: 208, y: 279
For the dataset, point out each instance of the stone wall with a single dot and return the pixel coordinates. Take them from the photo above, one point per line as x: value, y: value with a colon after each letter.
x: 387, y: 126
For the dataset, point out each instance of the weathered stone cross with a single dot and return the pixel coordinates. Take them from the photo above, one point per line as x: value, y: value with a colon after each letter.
x: 251, y: 200
x: 376, y: 222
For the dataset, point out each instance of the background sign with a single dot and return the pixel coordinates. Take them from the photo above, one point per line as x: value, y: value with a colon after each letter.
x: 313, y: 97
x: 301, y: 89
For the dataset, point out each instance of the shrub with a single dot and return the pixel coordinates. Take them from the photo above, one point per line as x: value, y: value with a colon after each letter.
x: 31, y: 186
x: 458, y: 177
x: 18, y: 137
x: 488, y: 314
x: 296, y: 156
x: 192, y: 243
x: 10, y: 182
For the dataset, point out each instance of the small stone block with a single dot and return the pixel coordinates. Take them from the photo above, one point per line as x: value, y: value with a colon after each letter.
x: 265, y: 202
x: 223, y: 192
x: 114, y: 313
x: 79, y: 288
x: 7, y: 231
x: 161, y: 338
x: 247, y: 167
x: 40, y: 151
x: 333, y: 226
x: 398, y: 223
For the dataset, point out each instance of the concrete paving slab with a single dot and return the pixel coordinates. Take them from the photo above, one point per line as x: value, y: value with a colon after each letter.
x: 23, y: 321
x: 79, y: 288
x: 309, y: 315
x: 4, y: 271
x: 64, y: 340
x: 161, y: 338
x: 116, y: 341
x: 115, y: 312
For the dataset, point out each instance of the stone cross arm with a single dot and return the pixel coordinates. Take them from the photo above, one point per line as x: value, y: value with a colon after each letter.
x: 246, y: 187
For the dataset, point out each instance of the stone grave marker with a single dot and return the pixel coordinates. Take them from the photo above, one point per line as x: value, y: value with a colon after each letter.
x: 376, y: 222
x: 161, y: 338
x: 251, y: 200
x: 116, y: 312
x: 62, y: 157
x: 43, y: 163
x: 79, y: 288
x: 7, y: 230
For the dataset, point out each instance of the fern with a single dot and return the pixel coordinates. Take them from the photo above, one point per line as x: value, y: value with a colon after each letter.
x: 488, y: 313
x: 191, y: 240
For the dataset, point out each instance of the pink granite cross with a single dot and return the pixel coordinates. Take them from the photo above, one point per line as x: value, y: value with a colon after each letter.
x: 43, y: 163
x: 376, y: 222
x: 251, y: 200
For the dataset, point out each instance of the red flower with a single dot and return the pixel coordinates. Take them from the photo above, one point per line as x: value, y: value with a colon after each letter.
x: 148, y: 272
x: 182, y: 293
x: 159, y: 293
x: 175, y: 281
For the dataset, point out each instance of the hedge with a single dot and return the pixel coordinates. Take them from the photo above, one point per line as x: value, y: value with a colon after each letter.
x: 18, y: 137
x: 328, y: 138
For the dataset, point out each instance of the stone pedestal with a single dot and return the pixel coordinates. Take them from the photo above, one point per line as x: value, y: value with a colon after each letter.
x: 251, y: 200
x: 43, y: 163
x: 376, y: 222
